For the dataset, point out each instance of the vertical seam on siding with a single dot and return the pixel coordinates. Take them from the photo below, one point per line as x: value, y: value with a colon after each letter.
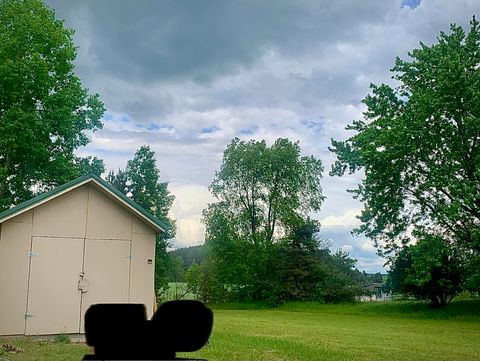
x: 29, y: 270
x: 86, y: 212
x: 131, y: 258
x: 83, y: 260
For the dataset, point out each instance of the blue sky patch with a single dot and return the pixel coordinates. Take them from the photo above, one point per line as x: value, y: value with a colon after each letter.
x: 107, y: 117
x: 209, y: 130
x: 412, y: 4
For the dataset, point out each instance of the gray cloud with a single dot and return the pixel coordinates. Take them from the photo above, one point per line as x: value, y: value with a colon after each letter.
x: 169, y: 70
x: 152, y: 40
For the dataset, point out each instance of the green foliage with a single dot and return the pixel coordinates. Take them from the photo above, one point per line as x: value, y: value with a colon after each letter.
x: 190, y: 254
x: 62, y: 338
x: 303, y: 271
x: 297, y: 274
x: 90, y: 165
x: 145, y: 188
x: 162, y: 266
x: 428, y: 270
x: 472, y: 274
x: 419, y: 146
x: 265, y: 191
x: 141, y: 182
x: 263, y: 246
x: 44, y: 111
x: 118, y: 180
x: 202, y: 282
x: 176, y: 270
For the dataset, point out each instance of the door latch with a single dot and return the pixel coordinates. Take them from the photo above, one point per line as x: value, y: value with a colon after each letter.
x: 83, y: 283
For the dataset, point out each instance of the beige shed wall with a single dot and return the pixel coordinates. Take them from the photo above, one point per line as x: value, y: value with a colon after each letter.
x: 143, y: 250
x: 15, y: 238
x: 64, y: 216
x: 85, y: 212
x: 106, y: 219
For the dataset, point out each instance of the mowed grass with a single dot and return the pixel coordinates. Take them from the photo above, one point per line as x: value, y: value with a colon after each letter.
x: 368, y: 331
x: 299, y: 331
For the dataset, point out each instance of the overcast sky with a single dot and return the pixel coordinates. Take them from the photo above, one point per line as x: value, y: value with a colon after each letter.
x: 186, y: 77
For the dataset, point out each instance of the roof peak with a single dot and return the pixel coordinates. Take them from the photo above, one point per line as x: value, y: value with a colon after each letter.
x: 75, y: 183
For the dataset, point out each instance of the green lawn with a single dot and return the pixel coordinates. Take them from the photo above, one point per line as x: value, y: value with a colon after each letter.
x: 373, y: 331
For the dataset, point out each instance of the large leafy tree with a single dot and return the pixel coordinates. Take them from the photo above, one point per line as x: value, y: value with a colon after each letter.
x: 419, y: 147
x: 44, y: 110
x: 266, y: 191
x: 263, y: 194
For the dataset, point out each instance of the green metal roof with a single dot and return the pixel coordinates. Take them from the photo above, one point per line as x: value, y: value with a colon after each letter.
x: 31, y: 203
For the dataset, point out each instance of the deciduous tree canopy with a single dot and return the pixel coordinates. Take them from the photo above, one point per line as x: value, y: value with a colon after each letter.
x: 263, y: 246
x: 265, y: 191
x: 419, y: 146
x: 44, y: 110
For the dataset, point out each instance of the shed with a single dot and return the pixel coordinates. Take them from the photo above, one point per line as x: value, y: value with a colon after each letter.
x: 79, y: 244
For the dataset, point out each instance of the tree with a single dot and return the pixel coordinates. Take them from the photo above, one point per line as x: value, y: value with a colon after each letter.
x: 267, y: 190
x: 428, y: 270
x: 202, y: 283
x: 263, y: 194
x: 90, y: 165
x: 296, y: 271
x: 118, y: 180
x: 44, y: 110
x: 341, y: 281
x: 145, y: 188
x: 419, y: 147
x: 144, y: 185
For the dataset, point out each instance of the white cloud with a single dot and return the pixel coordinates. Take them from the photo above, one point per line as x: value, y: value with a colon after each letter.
x: 190, y: 200
x: 368, y: 246
x: 190, y: 232
x: 371, y: 264
x: 348, y: 219
x: 347, y: 248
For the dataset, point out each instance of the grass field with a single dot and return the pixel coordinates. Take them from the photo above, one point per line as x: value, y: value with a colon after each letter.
x: 368, y: 331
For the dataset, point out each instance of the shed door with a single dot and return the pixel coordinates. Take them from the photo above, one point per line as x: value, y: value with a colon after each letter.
x: 53, y: 304
x: 107, y: 271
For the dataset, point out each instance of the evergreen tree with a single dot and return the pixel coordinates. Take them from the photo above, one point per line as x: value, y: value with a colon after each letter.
x: 145, y: 188
x: 118, y: 180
